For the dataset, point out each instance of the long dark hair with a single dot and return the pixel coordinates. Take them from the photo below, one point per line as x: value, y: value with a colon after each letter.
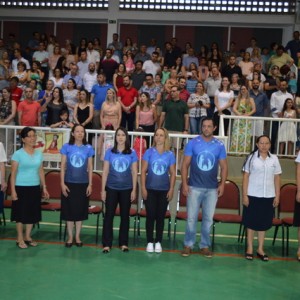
x: 24, y: 133
x: 72, y: 139
x: 61, y: 94
x: 285, y: 105
x: 127, y: 149
x: 251, y: 154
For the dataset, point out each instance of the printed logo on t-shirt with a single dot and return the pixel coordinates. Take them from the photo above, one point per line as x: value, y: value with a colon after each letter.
x: 205, y: 161
x: 159, y: 167
x: 120, y: 164
x: 77, y: 160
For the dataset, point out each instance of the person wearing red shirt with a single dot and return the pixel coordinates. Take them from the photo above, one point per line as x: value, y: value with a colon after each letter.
x: 29, y: 111
x: 16, y: 92
x: 127, y: 96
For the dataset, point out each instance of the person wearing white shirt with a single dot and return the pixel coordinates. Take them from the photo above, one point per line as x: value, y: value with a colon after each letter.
x: 18, y: 58
x: 92, y: 55
x: 83, y: 64
x: 90, y: 78
x: 152, y: 66
x: 276, y: 103
x: 261, y: 190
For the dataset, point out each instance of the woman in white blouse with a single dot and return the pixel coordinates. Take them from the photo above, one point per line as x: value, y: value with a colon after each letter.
x: 261, y: 189
x: 223, y: 102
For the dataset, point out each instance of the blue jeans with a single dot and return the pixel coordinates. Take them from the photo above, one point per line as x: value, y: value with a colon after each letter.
x: 195, y: 125
x: 206, y: 199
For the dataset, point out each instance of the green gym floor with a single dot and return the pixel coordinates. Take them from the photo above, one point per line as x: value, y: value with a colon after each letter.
x: 51, y: 271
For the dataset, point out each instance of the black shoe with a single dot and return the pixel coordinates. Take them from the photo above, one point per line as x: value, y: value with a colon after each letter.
x: 263, y: 257
x: 79, y: 244
x: 249, y: 256
x: 68, y: 245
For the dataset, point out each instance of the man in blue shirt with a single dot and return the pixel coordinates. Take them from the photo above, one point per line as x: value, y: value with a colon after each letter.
x: 203, y: 154
x: 98, y: 95
x: 262, y: 105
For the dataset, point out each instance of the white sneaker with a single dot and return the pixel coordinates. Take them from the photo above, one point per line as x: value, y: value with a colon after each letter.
x: 150, y: 248
x: 158, y: 248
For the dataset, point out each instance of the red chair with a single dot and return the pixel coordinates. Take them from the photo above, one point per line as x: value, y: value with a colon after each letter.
x: 181, y: 213
x: 7, y: 203
x: 96, y: 197
x: 229, y: 202
x: 288, y: 194
x: 52, y: 180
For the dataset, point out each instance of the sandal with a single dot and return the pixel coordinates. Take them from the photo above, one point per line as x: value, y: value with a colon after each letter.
x: 249, y: 256
x: 21, y: 245
x: 31, y: 243
x: 263, y: 257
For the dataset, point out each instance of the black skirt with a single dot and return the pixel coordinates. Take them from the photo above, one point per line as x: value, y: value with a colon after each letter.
x: 27, y: 209
x: 75, y: 207
x: 259, y: 214
x: 297, y: 214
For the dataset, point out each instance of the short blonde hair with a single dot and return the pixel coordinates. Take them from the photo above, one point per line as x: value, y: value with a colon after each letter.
x: 167, y: 138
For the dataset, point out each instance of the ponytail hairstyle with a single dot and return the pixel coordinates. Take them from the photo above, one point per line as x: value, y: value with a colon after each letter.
x: 251, y: 154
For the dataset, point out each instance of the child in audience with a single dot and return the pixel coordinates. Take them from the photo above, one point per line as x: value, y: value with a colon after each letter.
x: 64, y: 120
x: 287, y: 134
x: 140, y: 144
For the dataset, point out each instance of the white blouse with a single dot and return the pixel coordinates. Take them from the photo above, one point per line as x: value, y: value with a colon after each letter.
x: 261, y: 175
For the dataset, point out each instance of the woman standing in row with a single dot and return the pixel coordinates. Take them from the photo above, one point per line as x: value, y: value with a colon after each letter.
x: 198, y: 103
x: 119, y: 183
x: 242, y: 128
x: 223, y: 101
x: 111, y: 111
x: 8, y: 109
x: 27, y: 177
x: 261, y: 190
x: 54, y: 104
x: 157, y: 187
x: 76, y: 182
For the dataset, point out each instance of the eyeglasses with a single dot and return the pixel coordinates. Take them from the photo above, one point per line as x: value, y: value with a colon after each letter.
x: 174, y: 91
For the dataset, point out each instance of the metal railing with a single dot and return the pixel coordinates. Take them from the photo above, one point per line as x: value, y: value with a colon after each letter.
x: 242, y: 143
x: 52, y: 157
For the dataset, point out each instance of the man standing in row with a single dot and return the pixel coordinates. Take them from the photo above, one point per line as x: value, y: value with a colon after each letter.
x: 127, y: 96
x: 203, y: 155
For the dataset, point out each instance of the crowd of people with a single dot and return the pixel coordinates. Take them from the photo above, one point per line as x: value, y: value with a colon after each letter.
x: 125, y: 88
x: 38, y: 83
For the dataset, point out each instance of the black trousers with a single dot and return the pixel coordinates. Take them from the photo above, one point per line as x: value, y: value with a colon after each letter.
x: 156, y: 207
x: 216, y: 118
x: 113, y: 198
x: 274, y: 135
x: 129, y: 120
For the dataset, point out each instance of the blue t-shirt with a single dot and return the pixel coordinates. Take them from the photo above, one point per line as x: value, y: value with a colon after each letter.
x: 158, y: 169
x: 77, y: 162
x: 28, y: 167
x: 100, y: 94
x: 119, y: 176
x: 205, y: 161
